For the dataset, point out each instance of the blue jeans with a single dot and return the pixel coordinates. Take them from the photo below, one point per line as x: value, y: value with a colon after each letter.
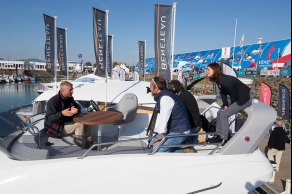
x: 173, y: 141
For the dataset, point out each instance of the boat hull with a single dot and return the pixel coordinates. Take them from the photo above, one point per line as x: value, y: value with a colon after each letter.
x: 140, y: 173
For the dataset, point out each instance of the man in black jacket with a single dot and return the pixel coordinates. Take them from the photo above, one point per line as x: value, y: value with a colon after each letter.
x: 191, y: 106
x: 276, y: 144
x: 61, y: 110
x: 190, y: 103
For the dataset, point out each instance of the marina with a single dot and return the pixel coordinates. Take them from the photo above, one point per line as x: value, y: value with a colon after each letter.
x: 134, y: 131
x: 189, y: 112
x: 25, y: 93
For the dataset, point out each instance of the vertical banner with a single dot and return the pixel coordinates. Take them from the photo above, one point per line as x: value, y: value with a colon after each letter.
x: 265, y: 94
x: 100, y: 39
x: 49, y: 43
x: 284, y: 102
x: 241, y: 41
x: 163, y: 40
x: 110, y: 56
x: 225, y: 54
x: 141, y: 67
x: 61, y: 50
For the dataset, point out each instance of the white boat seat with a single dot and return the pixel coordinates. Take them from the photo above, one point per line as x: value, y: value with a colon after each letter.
x: 128, y: 106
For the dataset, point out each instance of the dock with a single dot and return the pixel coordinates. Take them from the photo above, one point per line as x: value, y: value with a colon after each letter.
x: 279, y: 184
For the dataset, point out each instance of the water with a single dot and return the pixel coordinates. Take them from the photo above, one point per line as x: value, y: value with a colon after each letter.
x: 17, y: 94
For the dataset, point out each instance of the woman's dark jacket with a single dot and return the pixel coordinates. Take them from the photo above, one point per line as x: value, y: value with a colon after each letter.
x: 233, y: 87
x: 191, y: 105
x: 54, y: 120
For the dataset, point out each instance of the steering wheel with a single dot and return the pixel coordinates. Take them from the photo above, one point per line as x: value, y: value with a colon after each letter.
x: 94, y: 106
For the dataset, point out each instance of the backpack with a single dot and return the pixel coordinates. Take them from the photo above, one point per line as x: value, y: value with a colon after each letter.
x: 208, y: 126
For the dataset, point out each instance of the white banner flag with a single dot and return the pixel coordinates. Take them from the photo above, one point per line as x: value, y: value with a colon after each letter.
x: 225, y: 53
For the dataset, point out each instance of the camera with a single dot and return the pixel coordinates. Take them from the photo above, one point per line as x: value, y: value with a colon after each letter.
x: 147, y: 90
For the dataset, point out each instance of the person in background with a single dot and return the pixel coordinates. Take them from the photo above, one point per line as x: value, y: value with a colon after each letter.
x: 239, y: 97
x: 276, y: 144
x: 189, y: 102
x: 61, y: 110
x: 172, y: 113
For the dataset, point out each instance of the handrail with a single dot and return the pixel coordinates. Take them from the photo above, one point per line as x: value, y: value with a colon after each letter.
x: 159, y: 145
x: 210, y: 108
x: 34, y: 130
x: 206, y: 189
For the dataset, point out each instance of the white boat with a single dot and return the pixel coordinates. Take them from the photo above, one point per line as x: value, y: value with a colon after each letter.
x: 82, y: 80
x: 126, y: 164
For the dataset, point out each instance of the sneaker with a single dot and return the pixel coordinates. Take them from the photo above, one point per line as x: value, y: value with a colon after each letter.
x: 216, y: 139
x: 88, y: 144
x: 189, y: 150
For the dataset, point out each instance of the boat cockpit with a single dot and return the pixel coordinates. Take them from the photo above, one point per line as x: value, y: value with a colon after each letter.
x: 27, y: 141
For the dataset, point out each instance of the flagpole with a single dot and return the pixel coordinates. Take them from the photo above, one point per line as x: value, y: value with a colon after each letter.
x: 112, y: 60
x: 234, y: 42
x: 67, y: 67
x: 55, y: 45
x: 106, y: 42
x: 173, y: 33
x: 278, y: 58
x: 145, y: 61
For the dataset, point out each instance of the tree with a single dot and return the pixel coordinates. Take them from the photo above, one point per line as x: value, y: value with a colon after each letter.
x: 88, y: 64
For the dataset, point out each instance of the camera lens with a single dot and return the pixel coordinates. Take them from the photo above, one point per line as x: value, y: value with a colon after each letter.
x: 148, y: 90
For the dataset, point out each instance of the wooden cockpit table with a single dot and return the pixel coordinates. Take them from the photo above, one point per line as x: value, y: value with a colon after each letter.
x: 96, y: 120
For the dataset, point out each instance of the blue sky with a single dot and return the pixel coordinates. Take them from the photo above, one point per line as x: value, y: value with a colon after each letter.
x: 200, y: 25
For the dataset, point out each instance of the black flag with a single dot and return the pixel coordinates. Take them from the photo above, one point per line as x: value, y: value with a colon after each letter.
x: 100, y: 39
x: 49, y: 43
x: 284, y: 102
x: 61, y: 50
x: 163, y: 40
x: 141, y: 70
x: 110, y: 56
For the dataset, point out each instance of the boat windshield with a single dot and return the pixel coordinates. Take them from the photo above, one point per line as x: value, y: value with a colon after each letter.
x: 12, y: 127
x: 85, y: 79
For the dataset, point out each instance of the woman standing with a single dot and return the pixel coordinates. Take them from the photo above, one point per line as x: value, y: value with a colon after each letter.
x: 239, y: 99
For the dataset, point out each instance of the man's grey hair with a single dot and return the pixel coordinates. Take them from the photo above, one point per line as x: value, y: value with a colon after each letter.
x: 65, y: 84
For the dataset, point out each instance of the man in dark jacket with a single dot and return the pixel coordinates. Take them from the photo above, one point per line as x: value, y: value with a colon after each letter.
x: 61, y: 110
x: 276, y: 144
x: 190, y: 103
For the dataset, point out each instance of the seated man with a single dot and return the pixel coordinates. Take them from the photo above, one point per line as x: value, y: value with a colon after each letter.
x: 61, y: 109
x: 173, y: 115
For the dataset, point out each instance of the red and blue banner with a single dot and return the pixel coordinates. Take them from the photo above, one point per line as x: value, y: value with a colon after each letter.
x: 265, y: 94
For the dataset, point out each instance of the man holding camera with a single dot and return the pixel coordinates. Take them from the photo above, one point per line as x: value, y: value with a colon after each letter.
x: 173, y: 116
